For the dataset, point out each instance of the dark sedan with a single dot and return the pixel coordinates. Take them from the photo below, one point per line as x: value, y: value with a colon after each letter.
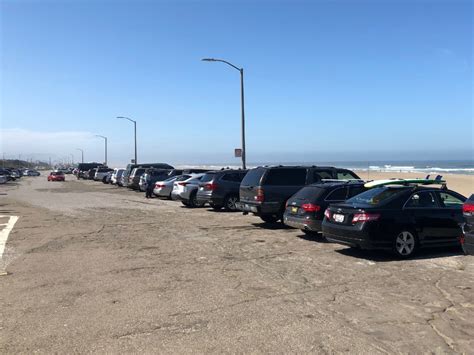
x: 467, y: 239
x: 305, y: 209
x: 397, y: 218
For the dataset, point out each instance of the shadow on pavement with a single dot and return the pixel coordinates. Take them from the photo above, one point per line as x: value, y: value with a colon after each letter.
x: 386, y: 256
x: 314, y: 237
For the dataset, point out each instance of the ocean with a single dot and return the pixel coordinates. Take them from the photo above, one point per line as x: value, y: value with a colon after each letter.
x: 440, y: 167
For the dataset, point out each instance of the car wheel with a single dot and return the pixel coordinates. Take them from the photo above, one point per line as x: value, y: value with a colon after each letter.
x: 185, y: 203
x: 269, y: 218
x: 230, y: 203
x: 405, y: 244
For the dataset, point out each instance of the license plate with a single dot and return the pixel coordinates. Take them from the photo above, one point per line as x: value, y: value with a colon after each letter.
x: 338, y: 217
x: 294, y: 209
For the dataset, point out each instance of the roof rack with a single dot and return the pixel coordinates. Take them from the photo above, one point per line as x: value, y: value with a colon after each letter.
x: 346, y: 181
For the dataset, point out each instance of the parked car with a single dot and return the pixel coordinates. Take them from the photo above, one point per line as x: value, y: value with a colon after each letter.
x: 152, y: 175
x: 56, y: 176
x: 7, y: 174
x: 186, y: 190
x: 107, y: 177
x: 116, y: 176
x: 305, y: 209
x: 467, y: 238
x: 32, y: 172
x: 3, y: 178
x: 134, y: 178
x: 220, y: 189
x: 101, y: 172
x: 130, y: 167
x: 84, y: 168
x: 165, y: 187
x: 397, y: 218
x: 265, y: 190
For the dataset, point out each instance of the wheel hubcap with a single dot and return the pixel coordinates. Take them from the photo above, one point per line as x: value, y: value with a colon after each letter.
x: 231, y: 203
x: 405, y: 243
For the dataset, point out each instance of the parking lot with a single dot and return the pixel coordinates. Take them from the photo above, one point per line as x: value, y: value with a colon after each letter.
x: 97, y: 268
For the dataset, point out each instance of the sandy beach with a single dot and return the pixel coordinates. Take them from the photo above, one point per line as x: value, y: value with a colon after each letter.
x: 464, y: 184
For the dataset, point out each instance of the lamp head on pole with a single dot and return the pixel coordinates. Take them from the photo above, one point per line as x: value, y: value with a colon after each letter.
x: 208, y: 60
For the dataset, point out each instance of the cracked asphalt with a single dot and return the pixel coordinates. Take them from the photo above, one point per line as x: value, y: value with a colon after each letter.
x: 96, y: 268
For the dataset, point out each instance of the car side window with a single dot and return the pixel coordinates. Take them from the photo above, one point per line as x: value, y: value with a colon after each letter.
x: 337, y: 195
x: 231, y: 177
x: 286, y: 177
x: 318, y: 175
x: 449, y: 201
x: 345, y: 175
x: 422, y: 199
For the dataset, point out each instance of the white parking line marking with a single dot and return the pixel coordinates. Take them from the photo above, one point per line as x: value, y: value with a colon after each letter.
x: 5, y: 232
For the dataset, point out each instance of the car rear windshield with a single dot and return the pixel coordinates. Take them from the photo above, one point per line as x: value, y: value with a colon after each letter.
x: 376, y: 196
x: 208, y: 177
x: 57, y: 173
x: 286, y: 177
x: 309, y: 193
x: 182, y: 177
x: 252, y: 178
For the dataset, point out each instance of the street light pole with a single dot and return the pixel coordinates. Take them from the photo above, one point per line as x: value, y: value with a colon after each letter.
x: 105, y: 141
x: 135, y: 134
x: 72, y: 159
x: 82, y: 153
x: 242, y: 104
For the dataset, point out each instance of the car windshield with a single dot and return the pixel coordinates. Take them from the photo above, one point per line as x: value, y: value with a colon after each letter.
x: 376, y: 196
x: 253, y: 176
x: 183, y: 177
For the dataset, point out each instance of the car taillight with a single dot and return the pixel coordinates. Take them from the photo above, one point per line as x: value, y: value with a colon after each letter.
x: 468, y: 208
x: 309, y: 207
x: 260, y: 195
x: 365, y: 217
x: 327, y: 214
x: 211, y: 186
x: 182, y: 183
x: 158, y: 186
x: 461, y: 239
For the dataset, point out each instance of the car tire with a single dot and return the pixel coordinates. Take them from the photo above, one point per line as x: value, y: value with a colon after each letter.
x: 405, y: 244
x: 185, y: 203
x: 269, y: 218
x: 230, y: 203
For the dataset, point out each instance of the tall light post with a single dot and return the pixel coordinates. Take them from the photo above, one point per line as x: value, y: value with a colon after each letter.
x: 105, y: 141
x: 82, y: 153
x: 72, y: 158
x: 241, y: 71
x: 135, y: 134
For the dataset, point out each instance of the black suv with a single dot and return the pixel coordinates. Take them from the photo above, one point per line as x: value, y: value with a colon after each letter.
x: 221, y: 189
x: 265, y: 190
x: 467, y: 239
x: 305, y: 209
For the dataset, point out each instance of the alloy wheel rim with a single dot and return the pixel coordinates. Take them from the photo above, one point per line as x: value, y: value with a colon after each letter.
x: 405, y: 243
x: 231, y: 203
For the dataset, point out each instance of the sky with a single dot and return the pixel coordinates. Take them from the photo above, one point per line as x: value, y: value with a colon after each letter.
x: 324, y: 80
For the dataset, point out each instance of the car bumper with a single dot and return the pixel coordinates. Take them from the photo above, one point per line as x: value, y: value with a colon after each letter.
x: 308, y: 224
x: 204, y: 197
x: 179, y: 195
x: 162, y: 192
x: 354, y: 236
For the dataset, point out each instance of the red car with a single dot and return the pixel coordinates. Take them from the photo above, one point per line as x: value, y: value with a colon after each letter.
x: 56, y: 176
